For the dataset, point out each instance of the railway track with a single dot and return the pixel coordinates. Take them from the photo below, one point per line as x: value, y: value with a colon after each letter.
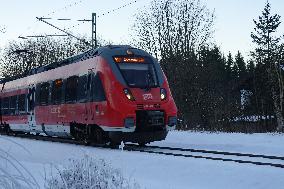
x: 217, y: 152
x: 242, y: 158
x: 246, y: 158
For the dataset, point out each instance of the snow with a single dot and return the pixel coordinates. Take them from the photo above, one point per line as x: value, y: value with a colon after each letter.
x: 159, y: 171
x: 257, y: 143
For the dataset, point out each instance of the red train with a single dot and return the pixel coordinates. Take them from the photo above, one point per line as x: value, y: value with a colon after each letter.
x: 109, y: 94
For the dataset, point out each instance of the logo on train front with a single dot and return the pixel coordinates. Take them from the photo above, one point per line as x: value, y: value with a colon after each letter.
x: 147, y: 96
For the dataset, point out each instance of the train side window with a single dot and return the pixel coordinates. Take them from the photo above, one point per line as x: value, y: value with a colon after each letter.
x: 1, y: 107
x: 71, y: 89
x: 13, y: 105
x: 5, y: 105
x: 82, y: 90
x: 97, y: 90
x: 21, y: 104
x: 44, y: 93
x: 89, y: 81
x: 57, y: 88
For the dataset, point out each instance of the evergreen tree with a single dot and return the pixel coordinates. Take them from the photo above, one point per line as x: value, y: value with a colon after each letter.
x: 251, y: 68
x: 267, y: 43
x: 229, y: 65
x: 235, y: 71
x: 267, y: 54
x: 212, y: 84
x: 241, y: 66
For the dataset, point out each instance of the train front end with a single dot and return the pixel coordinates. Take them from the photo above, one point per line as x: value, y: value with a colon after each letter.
x: 141, y: 107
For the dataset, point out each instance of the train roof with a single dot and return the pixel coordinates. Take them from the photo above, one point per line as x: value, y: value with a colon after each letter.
x: 70, y: 60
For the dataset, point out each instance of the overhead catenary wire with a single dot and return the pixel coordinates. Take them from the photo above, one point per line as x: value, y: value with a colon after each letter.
x: 64, y: 19
x: 88, y: 20
x: 68, y: 33
x: 53, y: 12
x: 66, y: 7
x: 104, y: 14
x: 50, y: 35
x: 116, y: 9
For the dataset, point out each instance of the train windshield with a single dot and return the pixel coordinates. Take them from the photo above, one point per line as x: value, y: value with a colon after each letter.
x: 139, y: 75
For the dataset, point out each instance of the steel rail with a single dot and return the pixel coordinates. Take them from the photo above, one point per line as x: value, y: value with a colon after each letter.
x: 149, y: 149
x: 216, y: 152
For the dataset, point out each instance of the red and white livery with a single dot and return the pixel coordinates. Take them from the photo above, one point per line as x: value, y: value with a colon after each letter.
x: 113, y: 93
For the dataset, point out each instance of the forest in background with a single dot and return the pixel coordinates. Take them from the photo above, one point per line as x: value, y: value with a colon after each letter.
x: 213, y: 91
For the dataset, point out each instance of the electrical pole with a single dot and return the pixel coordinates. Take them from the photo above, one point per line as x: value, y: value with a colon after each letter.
x: 64, y: 31
x: 94, y: 30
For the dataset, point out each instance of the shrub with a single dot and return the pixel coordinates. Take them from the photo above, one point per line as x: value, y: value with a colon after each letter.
x: 13, y: 175
x: 89, y: 173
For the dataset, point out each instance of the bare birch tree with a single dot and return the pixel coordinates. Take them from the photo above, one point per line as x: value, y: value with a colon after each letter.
x: 174, y: 27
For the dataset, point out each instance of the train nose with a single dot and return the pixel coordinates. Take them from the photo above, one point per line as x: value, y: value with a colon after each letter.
x: 142, y: 95
x: 150, y: 120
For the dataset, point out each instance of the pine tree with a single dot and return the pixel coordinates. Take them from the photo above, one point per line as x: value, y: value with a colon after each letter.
x: 266, y: 25
x: 229, y: 65
x: 251, y: 67
x: 235, y: 71
x: 267, y: 54
x: 241, y: 66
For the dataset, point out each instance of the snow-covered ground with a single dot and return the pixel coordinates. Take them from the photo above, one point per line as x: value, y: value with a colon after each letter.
x: 258, y: 143
x: 165, y: 172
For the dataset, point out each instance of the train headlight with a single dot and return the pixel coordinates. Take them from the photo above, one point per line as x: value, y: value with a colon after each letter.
x: 128, y: 94
x: 163, y: 94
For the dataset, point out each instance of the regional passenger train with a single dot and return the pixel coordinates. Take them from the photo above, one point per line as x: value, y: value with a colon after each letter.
x: 108, y: 94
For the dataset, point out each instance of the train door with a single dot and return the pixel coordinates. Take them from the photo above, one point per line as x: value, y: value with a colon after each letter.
x: 30, y: 108
x: 98, y: 96
x: 89, y: 107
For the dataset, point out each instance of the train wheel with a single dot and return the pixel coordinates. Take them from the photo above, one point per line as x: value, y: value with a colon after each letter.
x: 113, y: 145
x: 2, y: 130
x: 8, y: 130
x: 79, y: 132
x: 99, y: 136
x: 86, y: 141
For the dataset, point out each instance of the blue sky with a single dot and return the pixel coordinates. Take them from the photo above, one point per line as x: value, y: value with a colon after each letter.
x: 233, y: 24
